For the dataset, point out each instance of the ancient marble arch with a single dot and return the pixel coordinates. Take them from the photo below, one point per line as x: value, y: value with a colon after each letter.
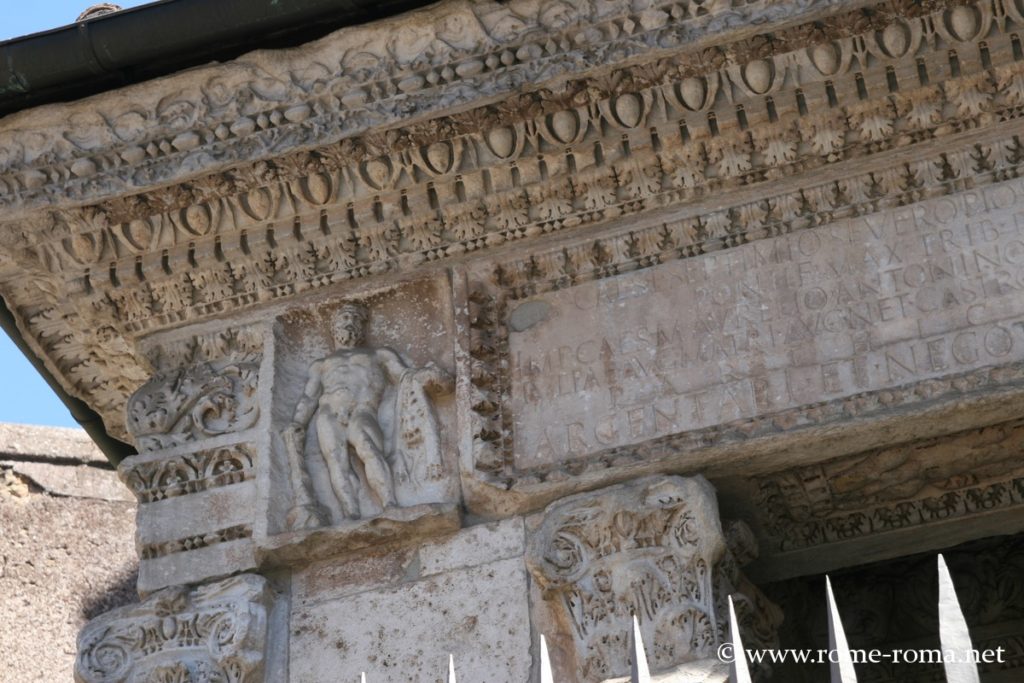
x: 497, y: 319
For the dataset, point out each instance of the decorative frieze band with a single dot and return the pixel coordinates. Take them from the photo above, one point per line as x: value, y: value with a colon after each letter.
x: 455, y: 167
x: 269, y: 103
x: 898, y: 487
x: 903, y: 515
x: 181, y: 475
x: 150, y: 551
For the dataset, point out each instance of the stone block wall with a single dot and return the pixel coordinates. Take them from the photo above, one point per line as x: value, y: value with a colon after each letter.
x: 463, y: 594
x: 67, y: 548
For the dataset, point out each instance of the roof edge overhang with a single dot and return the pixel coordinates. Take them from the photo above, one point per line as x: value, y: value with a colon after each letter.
x: 133, y: 45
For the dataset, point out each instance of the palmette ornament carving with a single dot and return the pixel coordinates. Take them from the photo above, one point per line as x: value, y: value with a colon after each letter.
x: 209, y: 389
x: 212, y: 634
x: 654, y: 548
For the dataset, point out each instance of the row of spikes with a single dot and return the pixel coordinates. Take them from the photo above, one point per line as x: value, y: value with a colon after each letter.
x: 953, y: 636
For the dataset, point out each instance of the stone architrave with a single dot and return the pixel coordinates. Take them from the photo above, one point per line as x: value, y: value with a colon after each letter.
x: 653, y: 548
x: 216, y: 632
x: 866, y: 304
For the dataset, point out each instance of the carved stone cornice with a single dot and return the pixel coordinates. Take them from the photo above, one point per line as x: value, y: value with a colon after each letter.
x: 373, y: 76
x: 672, y: 129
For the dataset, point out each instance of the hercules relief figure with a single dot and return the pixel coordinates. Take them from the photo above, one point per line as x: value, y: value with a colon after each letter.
x: 367, y: 406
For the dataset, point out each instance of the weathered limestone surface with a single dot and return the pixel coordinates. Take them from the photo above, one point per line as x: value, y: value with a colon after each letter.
x: 447, y: 322
x: 463, y: 595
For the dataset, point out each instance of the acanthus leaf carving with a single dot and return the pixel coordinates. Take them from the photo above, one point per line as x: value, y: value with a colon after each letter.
x: 653, y: 548
x: 203, y: 388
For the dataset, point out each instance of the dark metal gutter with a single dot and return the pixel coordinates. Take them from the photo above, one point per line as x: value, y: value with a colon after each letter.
x: 141, y: 43
x: 137, y: 44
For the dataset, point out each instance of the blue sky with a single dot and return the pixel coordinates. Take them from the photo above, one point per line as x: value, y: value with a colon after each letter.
x: 22, y: 18
x: 24, y: 396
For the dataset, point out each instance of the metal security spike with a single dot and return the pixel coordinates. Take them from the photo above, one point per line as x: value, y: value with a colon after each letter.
x: 953, y: 633
x: 451, y: 668
x: 842, y: 670
x: 738, y: 671
x: 639, y: 672
x: 545, y: 662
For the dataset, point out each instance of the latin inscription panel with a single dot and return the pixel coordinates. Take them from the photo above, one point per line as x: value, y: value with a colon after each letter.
x: 860, y: 305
